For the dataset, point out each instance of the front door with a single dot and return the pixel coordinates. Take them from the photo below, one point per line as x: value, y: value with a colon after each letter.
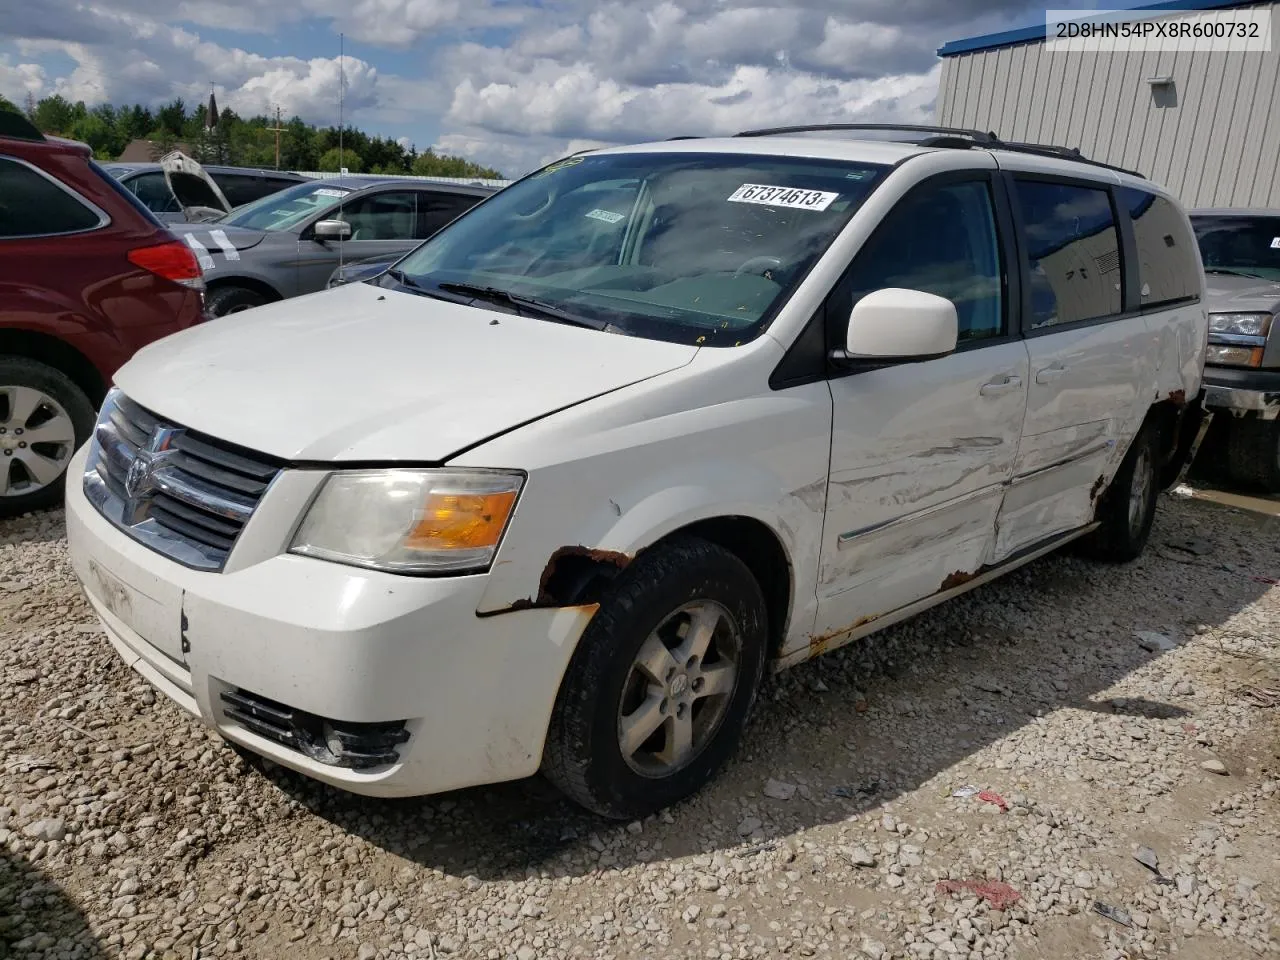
x: 381, y: 223
x: 920, y: 452
x: 1089, y: 360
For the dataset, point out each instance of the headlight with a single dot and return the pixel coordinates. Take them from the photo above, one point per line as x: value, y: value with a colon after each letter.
x: 410, y: 521
x: 1223, y: 356
x: 1240, y: 324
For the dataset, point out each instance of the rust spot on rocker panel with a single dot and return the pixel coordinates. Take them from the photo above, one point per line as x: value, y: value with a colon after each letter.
x: 1179, y: 397
x: 819, y: 642
x: 957, y: 579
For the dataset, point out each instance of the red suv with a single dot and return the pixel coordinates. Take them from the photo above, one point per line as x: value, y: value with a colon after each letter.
x: 87, y: 276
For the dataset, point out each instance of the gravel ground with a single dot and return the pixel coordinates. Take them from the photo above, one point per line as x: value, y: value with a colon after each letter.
x: 126, y: 829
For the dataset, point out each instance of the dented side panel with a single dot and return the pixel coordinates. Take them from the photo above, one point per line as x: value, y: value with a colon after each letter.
x: 918, y: 462
x: 1087, y: 386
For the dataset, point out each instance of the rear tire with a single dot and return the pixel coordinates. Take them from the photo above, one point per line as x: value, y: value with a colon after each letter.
x: 1128, y: 506
x: 44, y: 419
x: 657, y: 694
x: 231, y: 299
x: 1253, y: 453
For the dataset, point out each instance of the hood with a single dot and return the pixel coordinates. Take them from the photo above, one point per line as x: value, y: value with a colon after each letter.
x: 360, y: 373
x: 194, y: 189
x: 1229, y: 293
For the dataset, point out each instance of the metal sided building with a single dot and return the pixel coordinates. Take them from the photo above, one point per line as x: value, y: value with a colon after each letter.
x: 1206, y: 125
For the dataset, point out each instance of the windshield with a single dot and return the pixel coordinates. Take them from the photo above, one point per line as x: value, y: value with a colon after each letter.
x: 694, y: 248
x: 286, y: 209
x: 1240, y: 244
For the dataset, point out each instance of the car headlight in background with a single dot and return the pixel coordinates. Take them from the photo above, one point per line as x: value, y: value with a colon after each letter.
x: 1222, y: 356
x: 410, y: 521
x: 1240, y: 324
x: 1237, y: 339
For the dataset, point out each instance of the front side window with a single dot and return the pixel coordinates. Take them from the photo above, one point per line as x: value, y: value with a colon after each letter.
x: 1073, y: 252
x: 31, y: 205
x: 382, y: 216
x: 288, y: 209
x: 1240, y: 244
x: 1168, y: 263
x: 939, y: 239
x: 694, y: 248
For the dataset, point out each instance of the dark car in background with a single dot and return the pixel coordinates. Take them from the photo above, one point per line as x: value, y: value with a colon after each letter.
x: 357, y: 271
x: 87, y: 277
x: 1241, y: 253
x: 238, y: 185
x: 291, y: 242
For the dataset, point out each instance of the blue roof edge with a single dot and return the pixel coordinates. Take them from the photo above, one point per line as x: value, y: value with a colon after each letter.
x: 1008, y: 38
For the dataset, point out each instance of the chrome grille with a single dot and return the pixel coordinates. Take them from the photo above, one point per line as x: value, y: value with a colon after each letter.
x: 182, y: 494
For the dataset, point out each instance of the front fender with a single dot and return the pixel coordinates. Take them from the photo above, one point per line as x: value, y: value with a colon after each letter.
x: 621, y: 490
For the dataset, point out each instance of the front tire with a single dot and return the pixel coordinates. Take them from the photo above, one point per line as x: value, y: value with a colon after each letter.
x: 1253, y: 453
x: 44, y: 419
x: 1128, y: 506
x: 658, y: 692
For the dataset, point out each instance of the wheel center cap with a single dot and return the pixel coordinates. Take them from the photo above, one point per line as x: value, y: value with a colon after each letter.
x: 679, y: 685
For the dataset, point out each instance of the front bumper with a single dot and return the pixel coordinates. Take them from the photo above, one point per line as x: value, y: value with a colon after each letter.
x: 1241, y: 392
x: 338, y: 642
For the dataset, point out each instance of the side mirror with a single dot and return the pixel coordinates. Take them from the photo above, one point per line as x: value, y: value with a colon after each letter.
x: 331, y: 230
x: 894, y: 325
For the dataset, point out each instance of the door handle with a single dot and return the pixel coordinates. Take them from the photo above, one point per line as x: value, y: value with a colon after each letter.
x: 994, y: 388
x: 1049, y: 374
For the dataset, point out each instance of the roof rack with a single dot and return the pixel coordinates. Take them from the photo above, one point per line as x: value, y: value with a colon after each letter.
x: 18, y: 127
x: 958, y: 138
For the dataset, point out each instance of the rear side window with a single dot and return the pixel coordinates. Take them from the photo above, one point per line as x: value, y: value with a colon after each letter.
x: 1168, y: 261
x: 1073, y: 252
x: 32, y: 205
x: 240, y: 188
x: 437, y: 209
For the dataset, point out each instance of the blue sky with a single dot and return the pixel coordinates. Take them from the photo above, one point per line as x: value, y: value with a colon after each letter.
x: 512, y: 83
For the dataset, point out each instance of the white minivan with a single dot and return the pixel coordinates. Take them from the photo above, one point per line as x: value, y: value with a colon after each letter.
x: 554, y: 491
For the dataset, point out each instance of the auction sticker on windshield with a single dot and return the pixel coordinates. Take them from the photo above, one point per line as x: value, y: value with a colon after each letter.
x: 782, y: 196
x: 330, y: 192
x: 608, y: 216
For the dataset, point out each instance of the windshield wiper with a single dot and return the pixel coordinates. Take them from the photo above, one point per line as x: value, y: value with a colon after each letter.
x: 1234, y: 273
x: 527, y: 305
x: 406, y: 281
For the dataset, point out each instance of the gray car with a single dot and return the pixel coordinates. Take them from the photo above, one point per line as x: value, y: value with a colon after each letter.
x: 291, y: 242
x: 1241, y: 253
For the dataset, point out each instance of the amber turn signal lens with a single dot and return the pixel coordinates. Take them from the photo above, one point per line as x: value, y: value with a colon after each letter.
x: 461, y: 521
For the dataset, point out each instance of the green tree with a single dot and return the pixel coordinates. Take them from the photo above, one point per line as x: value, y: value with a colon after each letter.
x: 172, y: 117
x: 54, y: 114
x: 432, y: 164
x: 329, y: 161
x: 97, y: 133
x: 9, y: 105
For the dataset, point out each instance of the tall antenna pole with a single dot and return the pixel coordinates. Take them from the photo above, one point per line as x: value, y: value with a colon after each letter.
x: 342, y: 89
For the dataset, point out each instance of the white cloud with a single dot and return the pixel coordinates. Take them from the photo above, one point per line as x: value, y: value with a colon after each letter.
x: 513, y: 83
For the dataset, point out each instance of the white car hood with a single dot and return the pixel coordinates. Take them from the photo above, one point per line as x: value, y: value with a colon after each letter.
x: 360, y: 373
